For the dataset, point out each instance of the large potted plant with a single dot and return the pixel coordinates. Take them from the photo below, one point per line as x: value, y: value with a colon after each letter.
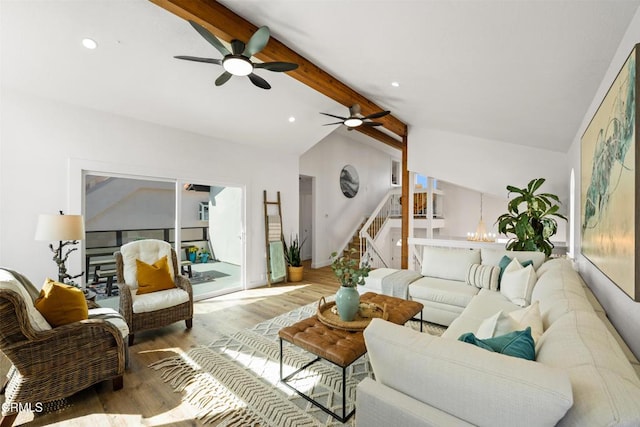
x: 292, y: 255
x: 350, y: 273
x: 530, y: 218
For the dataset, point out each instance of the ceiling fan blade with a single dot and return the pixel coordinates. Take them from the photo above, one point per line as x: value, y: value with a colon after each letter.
x: 257, y: 42
x: 334, y: 116
x: 224, y: 77
x: 377, y: 115
x: 277, y: 66
x: 259, y: 81
x: 237, y: 47
x: 196, y: 59
x: 336, y: 123
x: 372, y: 124
x: 210, y: 38
x: 354, y: 110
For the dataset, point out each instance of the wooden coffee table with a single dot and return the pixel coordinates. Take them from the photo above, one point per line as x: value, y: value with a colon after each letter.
x: 338, y: 346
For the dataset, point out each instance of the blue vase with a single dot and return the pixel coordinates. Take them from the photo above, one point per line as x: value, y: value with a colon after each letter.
x: 348, y: 303
x: 192, y: 256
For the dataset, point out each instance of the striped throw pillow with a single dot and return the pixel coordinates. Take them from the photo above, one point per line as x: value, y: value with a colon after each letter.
x: 483, y: 276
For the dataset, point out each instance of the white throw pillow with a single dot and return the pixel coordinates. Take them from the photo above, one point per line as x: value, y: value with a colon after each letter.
x: 530, y: 316
x: 518, y: 282
x: 496, y: 325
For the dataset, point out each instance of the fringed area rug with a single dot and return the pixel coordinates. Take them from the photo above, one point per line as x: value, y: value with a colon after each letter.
x: 235, y: 380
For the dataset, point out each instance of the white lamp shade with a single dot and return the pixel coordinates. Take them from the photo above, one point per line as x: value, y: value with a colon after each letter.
x: 60, y: 227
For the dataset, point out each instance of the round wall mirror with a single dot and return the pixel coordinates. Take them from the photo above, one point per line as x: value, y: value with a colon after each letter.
x: 349, y: 181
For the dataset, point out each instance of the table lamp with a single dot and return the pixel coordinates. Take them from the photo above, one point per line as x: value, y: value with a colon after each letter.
x: 67, y: 230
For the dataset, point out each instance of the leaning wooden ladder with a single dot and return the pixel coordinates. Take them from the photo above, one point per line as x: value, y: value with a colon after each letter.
x: 274, y: 239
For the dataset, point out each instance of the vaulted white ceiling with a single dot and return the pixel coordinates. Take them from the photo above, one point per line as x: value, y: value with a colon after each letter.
x: 522, y: 72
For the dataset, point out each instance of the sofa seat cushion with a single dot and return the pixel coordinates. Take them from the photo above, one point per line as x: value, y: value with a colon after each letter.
x: 475, y: 385
x: 111, y: 316
x: 606, y: 388
x: 443, y: 291
x: 158, y: 300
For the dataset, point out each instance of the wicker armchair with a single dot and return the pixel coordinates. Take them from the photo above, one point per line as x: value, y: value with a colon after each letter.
x: 51, y: 364
x: 149, y: 251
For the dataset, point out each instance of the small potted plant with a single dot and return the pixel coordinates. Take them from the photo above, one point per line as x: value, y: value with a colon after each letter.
x: 292, y: 255
x: 192, y: 253
x: 204, y: 255
x: 350, y: 273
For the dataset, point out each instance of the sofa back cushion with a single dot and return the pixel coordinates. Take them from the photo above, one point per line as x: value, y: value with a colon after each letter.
x: 606, y: 389
x: 448, y: 263
x: 493, y: 256
x: 559, y: 290
x: 473, y: 384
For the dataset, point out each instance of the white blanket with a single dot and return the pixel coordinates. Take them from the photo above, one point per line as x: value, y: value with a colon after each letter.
x: 397, y: 284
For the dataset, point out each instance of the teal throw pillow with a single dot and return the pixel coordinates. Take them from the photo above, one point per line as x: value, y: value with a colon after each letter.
x: 516, y: 343
x: 505, y: 261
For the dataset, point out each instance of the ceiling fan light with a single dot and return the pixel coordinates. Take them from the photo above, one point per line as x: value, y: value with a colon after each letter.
x: 237, y: 65
x: 352, y: 122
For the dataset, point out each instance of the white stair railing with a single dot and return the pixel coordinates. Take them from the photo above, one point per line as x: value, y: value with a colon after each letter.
x: 369, y: 250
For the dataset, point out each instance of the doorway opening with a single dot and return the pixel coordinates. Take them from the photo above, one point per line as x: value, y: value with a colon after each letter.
x: 306, y: 200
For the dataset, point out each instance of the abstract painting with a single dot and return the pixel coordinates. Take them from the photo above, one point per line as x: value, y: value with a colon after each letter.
x: 349, y: 181
x: 609, y: 181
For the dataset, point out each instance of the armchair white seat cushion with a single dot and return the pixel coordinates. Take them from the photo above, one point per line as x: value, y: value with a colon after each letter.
x: 153, y: 301
x: 111, y: 316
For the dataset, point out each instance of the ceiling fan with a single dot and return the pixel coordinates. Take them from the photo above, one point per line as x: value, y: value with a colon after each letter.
x: 356, y: 119
x: 238, y: 61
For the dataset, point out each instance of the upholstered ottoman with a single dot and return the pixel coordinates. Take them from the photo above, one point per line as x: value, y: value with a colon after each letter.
x: 338, y: 346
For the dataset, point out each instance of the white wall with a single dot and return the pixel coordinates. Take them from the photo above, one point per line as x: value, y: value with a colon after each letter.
x: 621, y: 310
x: 45, y: 144
x: 462, y: 210
x: 485, y: 165
x: 335, y: 215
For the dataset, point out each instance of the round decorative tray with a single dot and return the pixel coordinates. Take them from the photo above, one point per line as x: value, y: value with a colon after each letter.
x: 328, y: 314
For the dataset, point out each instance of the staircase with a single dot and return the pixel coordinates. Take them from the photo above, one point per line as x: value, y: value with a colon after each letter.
x: 365, y: 234
x: 354, y: 243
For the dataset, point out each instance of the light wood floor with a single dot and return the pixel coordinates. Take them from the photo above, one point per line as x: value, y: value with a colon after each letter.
x: 145, y: 399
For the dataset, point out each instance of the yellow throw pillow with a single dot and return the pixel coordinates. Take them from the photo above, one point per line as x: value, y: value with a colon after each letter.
x: 61, y: 304
x: 153, y: 278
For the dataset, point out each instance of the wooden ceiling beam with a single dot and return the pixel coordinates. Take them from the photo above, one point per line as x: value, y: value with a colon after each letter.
x: 227, y: 25
x: 380, y: 136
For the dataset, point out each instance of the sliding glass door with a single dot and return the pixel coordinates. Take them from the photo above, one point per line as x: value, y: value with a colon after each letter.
x: 204, y: 222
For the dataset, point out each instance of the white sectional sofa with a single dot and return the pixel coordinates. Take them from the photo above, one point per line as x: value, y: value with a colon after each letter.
x: 583, y: 374
x: 441, y: 286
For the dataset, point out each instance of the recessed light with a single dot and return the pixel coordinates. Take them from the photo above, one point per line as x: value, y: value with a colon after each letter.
x: 292, y: 119
x: 89, y: 43
x: 395, y: 84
